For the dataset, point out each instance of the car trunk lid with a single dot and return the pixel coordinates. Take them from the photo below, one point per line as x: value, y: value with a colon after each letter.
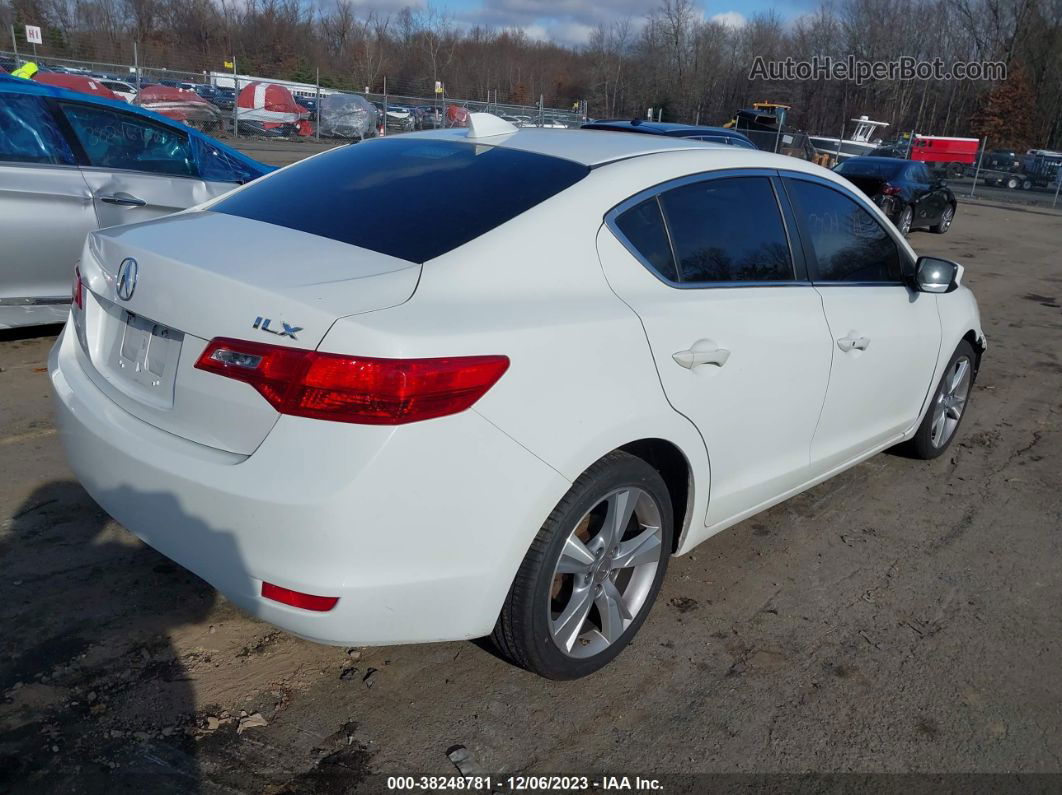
x: 199, y: 276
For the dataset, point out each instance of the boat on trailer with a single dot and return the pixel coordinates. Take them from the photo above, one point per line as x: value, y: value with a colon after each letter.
x: 863, y: 141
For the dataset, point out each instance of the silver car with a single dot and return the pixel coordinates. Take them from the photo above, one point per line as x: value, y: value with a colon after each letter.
x: 71, y: 163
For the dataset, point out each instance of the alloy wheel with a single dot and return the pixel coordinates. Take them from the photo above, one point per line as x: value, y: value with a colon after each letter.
x: 951, y: 402
x: 605, y: 572
x: 906, y: 217
x: 945, y: 220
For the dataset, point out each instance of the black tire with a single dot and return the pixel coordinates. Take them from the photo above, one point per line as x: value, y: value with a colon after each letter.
x: 1026, y: 184
x: 944, y: 224
x: 905, y: 220
x: 523, y: 633
x: 922, y: 444
x: 1012, y: 183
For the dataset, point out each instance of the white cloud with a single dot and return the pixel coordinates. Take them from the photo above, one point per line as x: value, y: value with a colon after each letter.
x: 563, y: 21
x: 534, y: 32
x: 571, y: 33
x: 732, y: 19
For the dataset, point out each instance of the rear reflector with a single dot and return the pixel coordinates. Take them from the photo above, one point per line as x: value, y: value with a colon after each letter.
x: 77, y: 296
x: 329, y: 386
x: 305, y: 601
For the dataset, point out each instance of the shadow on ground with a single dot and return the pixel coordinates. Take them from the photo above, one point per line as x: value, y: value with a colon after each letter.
x: 97, y: 697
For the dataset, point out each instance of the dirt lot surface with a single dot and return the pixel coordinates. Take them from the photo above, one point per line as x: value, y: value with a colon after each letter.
x: 280, y: 153
x: 904, y: 616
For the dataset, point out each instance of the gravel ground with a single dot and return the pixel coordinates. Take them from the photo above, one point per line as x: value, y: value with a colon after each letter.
x: 903, y: 617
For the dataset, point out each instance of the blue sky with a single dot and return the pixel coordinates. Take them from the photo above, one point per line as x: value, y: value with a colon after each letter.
x: 570, y: 21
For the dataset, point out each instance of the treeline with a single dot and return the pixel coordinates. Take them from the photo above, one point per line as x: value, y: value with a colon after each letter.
x: 673, y: 59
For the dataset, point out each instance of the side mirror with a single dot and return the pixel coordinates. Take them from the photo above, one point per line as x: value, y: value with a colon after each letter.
x: 935, y: 275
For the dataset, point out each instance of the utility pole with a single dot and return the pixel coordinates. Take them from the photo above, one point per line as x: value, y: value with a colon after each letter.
x: 136, y: 67
x: 977, y: 171
x: 14, y: 45
x: 317, y: 107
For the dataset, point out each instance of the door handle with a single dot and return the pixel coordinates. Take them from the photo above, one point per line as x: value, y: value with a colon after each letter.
x: 701, y: 352
x: 853, y: 341
x: 122, y: 200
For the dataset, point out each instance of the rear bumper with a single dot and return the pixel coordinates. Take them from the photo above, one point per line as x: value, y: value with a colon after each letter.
x: 418, y: 529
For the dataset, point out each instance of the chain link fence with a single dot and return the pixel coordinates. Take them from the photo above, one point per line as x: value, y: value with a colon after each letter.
x: 405, y: 112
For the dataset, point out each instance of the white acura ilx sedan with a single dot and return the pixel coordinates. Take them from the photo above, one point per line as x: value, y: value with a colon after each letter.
x: 487, y: 381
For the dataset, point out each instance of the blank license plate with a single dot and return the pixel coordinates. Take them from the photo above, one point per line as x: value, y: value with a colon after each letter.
x: 149, y: 354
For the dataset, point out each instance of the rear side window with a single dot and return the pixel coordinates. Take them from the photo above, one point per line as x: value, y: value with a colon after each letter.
x: 411, y: 198
x: 28, y: 133
x: 849, y: 243
x: 643, y: 226
x: 728, y: 230
x: 116, y: 140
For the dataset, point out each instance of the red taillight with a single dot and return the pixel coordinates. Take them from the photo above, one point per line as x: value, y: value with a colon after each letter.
x: 358, y: 389
x: 305, y: 601
x: 890, y: 190
x: 77, y: 296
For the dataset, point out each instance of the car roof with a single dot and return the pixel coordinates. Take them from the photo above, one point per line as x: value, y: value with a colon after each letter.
x: 589, y: 147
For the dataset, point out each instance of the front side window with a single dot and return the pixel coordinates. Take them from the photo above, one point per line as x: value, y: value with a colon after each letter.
x: 849, y: 243
x: 728, y: 230
x: 217, y: 165
x: 116, y: 140
x: 29, y: 134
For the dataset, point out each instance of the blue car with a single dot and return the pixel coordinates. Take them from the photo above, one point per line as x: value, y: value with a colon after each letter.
x: 718, y: 135
x: 71, y: 163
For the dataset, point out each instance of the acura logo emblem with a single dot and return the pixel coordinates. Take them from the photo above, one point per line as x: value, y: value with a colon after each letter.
x: 126, y: 283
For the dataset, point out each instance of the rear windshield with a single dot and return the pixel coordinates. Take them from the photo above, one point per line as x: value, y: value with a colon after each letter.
x: 865, y: 168
x: 411, y: 198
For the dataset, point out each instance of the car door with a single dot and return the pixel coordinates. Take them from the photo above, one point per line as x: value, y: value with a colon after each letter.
x: 929, y: 205
x: 937, y: 198
x: 885, y: 335
x: 136, y: 167
x: 737, y: 332
x: 45, y: 213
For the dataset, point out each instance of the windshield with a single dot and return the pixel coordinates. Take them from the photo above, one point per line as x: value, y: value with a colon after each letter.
x: 408, y: 197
